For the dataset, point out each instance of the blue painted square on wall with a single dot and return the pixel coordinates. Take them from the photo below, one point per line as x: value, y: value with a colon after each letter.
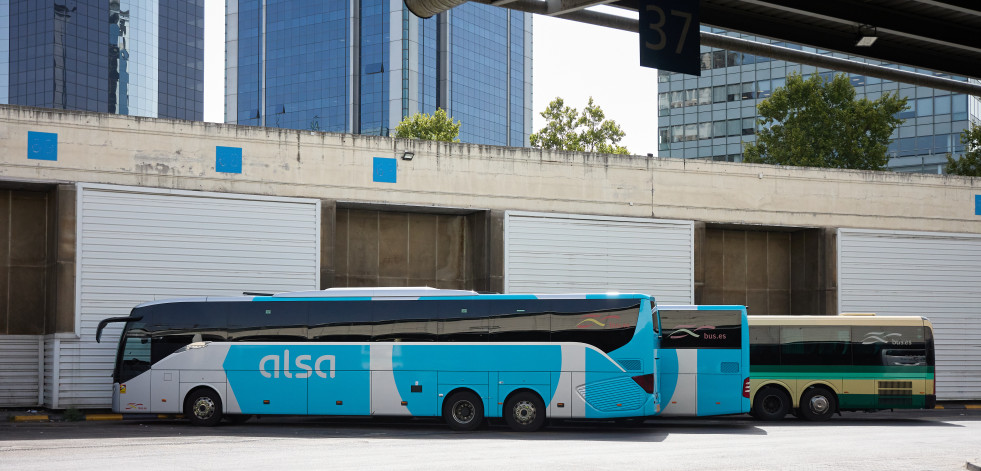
x: 384, y: 170
x: 42, y: 145
x: 228, y: 159
x: 977, y: 205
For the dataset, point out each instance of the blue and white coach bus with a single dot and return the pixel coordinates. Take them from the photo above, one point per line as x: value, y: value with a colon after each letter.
x: 703, y: 360
x: 390, y: 352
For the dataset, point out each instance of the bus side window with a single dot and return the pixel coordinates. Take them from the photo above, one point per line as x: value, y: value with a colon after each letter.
x: 606, y: 324
x: 463, y: 321
x: 889, y: 346
x: 339, y: 321
x: 183, y: 318
x: 764, y: 345
x: 519, y: 320
x: 135, y: 357
x: 161, y: 346
x: 815, y: 345
x: 261, y: 321
x: 404, y: 321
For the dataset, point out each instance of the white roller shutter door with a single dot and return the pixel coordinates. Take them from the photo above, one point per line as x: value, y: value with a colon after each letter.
x: 560, y: 253
x: 21, y: 367
x: 139, y: 244
x: 935, y: 275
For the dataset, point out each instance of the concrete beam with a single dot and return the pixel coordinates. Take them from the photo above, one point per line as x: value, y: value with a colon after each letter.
x: 112, y: 149
x: 561, y: 7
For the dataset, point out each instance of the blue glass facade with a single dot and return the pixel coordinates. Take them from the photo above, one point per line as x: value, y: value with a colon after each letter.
x: 362, y: 65
x: 710, y: 116
x: 4, y: 50
x: 375, y: 51
x: 134, y: 57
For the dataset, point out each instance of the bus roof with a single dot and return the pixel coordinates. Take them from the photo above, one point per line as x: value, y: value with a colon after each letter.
x: 700, y: 307
x: 838, y: 320
x: 387, y: 293
x: 384, y: 292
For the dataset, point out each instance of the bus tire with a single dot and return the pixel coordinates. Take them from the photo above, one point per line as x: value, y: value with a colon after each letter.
x: 817, y: 404
x: 463, y: 411
x: 524, y: 411
x: 771, y: 403
x: 203, y: 407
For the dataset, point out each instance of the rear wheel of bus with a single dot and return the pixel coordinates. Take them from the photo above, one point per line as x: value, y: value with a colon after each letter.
x: 818, y: 404
x: 524, y: 411
x: 463, y: 411
x: 771, y: 403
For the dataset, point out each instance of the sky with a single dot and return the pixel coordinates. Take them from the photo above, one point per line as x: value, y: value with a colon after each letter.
x: 571, y: 60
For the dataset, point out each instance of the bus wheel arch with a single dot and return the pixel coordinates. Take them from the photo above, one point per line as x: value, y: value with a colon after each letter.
x: 818, y: 403
x: 771, y: 402
x: 203, y: 406
x: 463, y: 409
x: 524, y: 410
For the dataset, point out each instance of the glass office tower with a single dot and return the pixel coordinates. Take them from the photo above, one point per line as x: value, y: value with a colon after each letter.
x: 360, y: 66
x: 709, y: 117
x: 132, y: 57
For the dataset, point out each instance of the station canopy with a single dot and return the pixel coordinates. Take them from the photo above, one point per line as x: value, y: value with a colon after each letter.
x: 943, y: 36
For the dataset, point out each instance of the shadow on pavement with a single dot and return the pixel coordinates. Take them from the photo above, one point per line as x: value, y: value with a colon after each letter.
x: 298, y: 427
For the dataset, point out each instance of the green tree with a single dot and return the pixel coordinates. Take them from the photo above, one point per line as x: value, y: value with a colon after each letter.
x: 969, y: 165
x: 435, y: 127
x: 567, y: 129
x: 819, y: 123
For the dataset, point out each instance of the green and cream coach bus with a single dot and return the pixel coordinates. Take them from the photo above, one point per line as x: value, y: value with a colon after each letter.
x: 814, y: 366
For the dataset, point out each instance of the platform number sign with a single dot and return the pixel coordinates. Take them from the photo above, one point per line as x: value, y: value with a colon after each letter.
x: 669, y: 38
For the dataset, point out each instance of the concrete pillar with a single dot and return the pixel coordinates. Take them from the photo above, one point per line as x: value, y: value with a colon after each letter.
x: 486, y: 251
x: 698, y: 246
x: 829, y: 285
x: 61, y: 270
x: 328, y: 223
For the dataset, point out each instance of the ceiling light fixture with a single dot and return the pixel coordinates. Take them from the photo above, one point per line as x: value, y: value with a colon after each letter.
x: 866, y: 36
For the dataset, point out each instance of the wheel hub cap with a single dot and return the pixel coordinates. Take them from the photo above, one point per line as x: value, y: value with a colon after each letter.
x: 771, y: 404
x: 524, y: 412
x: 463, y: 412
x: 819, y: 404
x: 204, y: 408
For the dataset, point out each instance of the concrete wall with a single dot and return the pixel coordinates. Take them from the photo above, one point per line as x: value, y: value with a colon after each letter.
x: 179, y: 154
x: 389, y: 248
x: 37, y: 258
x: 786, y: 271
x: 24, y: 255
x: 396, y: 247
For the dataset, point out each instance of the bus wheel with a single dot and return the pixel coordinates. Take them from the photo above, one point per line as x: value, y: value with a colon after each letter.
x: 203, y: 407
x: 817, y: 404
x: 771, y: 404
x: 524, y: 411
x: 463, y: 411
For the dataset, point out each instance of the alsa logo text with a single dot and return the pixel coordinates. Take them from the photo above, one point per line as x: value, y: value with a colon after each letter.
x: 302, y: 362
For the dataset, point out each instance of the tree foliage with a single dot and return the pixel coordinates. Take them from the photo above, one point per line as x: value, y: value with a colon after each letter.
x: 567, y: 129
x: 819, y: 123
x: 435, y: 127
x: 969, y: 165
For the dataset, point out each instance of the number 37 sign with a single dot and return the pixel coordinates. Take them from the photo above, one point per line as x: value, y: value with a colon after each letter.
x: 669, y: 35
